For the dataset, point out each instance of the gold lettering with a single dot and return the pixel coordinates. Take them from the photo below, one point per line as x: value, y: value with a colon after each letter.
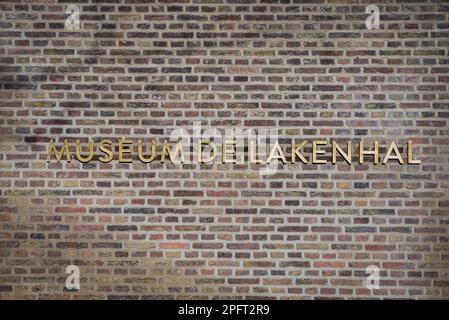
x: 296, y: 151
x: 78, y: 151
x: 65, y: 149
x: 105, y: 150
x: 200, y: 151
x: 253, y: 152
x: 347, y: 156
x: 410, y: 159
x: 374, y: 153
x: 124, y: 149
x: 225, y: 151
x: 177, y: 150
x: 316, y: 152
x: 393, y: 148
x: 280, y: 153
x: 140, y: 152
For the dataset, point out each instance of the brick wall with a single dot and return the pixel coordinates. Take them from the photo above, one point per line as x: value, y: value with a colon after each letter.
x: 140, y: 69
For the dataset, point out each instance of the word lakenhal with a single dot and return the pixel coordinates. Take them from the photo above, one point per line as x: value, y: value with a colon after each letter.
x: 205, y: 151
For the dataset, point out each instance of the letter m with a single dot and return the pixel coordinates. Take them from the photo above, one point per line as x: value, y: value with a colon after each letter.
x: 59, y: 154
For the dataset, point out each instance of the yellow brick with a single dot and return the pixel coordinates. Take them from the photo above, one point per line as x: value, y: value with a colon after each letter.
x: 71, y: 183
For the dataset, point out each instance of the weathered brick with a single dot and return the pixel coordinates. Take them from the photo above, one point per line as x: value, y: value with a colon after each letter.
x: 309, y: 69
